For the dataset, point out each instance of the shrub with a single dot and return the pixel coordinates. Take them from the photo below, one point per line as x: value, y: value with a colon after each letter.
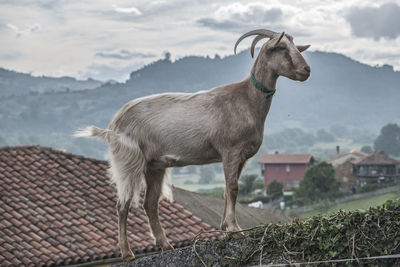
x: 274, y: 188
x: 318, y: 183
x: 246, y: 183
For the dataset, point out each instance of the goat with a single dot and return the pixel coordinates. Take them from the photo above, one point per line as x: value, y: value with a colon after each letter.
x: 225, y: 124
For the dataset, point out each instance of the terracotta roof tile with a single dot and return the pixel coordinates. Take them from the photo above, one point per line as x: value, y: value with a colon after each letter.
x: 57, y: 208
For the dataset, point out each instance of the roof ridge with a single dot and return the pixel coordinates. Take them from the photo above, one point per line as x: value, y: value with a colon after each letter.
x: 52, y: 150
x: 289, y: 154
x: 360, y: 153
x: 285, y: 158
x: 378, y: 156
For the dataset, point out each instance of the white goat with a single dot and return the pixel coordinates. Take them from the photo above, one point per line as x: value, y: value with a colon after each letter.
x: 150, y: 134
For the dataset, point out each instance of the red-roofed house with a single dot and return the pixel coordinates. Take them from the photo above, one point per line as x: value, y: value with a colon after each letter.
x: 286, y: 168
x: 57, y: 208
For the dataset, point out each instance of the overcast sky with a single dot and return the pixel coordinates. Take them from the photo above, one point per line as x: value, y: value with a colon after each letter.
x: 109, y: 39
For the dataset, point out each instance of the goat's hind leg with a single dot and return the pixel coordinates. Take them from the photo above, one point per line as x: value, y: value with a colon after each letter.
x: 154, y: 181
x: 123, y: 210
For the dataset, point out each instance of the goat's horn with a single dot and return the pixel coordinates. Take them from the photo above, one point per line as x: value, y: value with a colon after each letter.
x: 253, y: 44
x: 280, y: 38
x: 266, y: 33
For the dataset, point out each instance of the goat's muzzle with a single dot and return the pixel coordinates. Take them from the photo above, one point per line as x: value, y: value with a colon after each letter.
x: 303, y: 74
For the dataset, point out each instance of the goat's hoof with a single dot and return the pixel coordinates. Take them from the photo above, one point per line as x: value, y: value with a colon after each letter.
x: 128, y: 258
x: 167, y: 246
x: 236, y: 235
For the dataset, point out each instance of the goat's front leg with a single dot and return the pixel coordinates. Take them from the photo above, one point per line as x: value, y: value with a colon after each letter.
x: 154, y: 180
x: 233, y: 166
x: 122, y: 210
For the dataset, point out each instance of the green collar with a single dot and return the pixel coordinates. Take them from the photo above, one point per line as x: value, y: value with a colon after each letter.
x: 261, y: 87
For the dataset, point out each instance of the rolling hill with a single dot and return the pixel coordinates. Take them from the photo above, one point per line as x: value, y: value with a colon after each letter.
x: 340, y: 91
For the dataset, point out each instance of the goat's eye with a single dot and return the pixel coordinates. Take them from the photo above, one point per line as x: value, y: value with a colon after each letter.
x: 279, y: 48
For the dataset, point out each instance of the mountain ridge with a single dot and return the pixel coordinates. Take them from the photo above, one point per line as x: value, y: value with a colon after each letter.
x: 13, y: 83
x: 340, y: 91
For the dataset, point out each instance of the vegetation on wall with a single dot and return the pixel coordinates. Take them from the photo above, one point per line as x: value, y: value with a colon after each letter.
x: 345, y: 235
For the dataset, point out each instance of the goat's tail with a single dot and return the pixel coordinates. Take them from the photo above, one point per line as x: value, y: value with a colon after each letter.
x: 93, y: 131
x: 127, y: 170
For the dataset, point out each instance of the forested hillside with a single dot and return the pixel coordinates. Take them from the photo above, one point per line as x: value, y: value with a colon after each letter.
x: 18, y: 84
x: 340, y: 91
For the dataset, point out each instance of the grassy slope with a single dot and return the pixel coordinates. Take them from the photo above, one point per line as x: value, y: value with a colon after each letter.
x: 354, y: 205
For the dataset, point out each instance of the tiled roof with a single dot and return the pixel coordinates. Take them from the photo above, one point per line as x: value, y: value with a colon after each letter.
x: 353, y: 156
x: 286, y: 158
x: 377, y: 159
x: 59, y: 209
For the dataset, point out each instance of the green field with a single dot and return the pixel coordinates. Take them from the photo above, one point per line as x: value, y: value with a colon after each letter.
x: 179, y: 180
x: 364, y: 204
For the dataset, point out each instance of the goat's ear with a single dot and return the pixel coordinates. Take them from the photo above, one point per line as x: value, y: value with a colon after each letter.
x: 302, y: 48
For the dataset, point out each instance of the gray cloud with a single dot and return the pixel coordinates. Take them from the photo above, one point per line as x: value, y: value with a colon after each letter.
x: 374, y: 22
x: 10, y: 55
x: 124, y: 55
x: 237, y: 17
x: 28, y: 29
x: 219, y: 25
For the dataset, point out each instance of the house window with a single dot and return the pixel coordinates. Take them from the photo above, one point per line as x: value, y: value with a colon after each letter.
x: 287, y: 182
x: 287, y: 168
x: 296, y: 182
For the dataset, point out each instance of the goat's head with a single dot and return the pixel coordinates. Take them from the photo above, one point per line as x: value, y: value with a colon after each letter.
x: 279, y: 54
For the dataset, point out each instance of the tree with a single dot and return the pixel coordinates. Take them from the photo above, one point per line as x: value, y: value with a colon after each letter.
x: 274, y: 188
x: 207, y: 175
x: 389, y: 140
x: 167, y: 55
x: 366, y: 149
x: 318, y: 183
x: 258, y: 184
x: 246, y: 183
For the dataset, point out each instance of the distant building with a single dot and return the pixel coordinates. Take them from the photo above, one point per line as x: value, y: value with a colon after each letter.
x: 353, y: 156
x: 376, y: 168
x: 343, y: 164
x: 286, y: 168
